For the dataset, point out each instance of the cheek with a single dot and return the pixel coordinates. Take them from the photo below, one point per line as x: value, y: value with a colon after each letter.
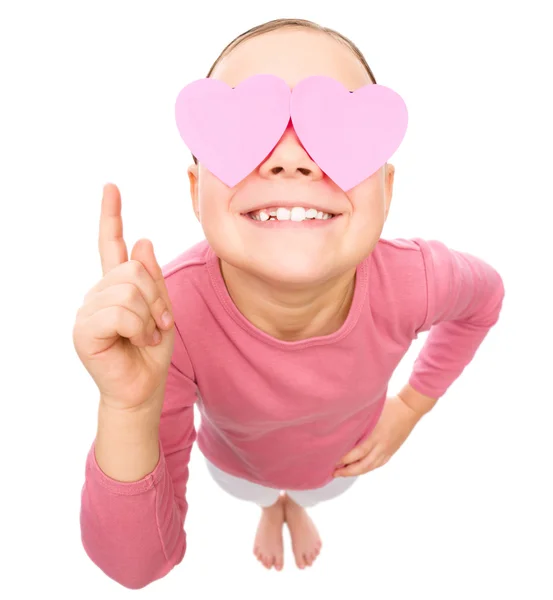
x: 214, y: 217
x: 213, y: 197
x: 368, y: 201
x: 368, y: 216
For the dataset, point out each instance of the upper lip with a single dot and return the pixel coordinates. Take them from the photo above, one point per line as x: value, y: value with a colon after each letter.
x: 290, y: 204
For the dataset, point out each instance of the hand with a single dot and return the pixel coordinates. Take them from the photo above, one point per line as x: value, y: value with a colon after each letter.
x: 393, y: 427
x: 113, y: 331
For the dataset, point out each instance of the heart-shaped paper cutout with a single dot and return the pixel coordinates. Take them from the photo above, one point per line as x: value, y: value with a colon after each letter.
x: 231, y: 130
x: 348, y: 134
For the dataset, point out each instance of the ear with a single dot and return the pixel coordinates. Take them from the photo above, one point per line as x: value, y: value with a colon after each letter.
x: 193, y: 176
x: 389, y: 186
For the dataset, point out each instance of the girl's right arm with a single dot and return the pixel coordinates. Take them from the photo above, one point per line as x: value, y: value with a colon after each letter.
x: 133, y: 504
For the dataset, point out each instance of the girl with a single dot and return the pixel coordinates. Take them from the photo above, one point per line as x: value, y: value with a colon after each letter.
x: 284, y: 332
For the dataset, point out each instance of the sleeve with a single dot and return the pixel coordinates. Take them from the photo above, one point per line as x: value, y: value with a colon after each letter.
x: 134, y: 531
x: 464, y: 297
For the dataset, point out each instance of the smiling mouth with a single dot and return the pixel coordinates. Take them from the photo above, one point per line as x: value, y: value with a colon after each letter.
x: 296, y: 214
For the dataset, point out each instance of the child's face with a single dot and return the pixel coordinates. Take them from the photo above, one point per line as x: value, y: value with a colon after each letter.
x: 291, y: 255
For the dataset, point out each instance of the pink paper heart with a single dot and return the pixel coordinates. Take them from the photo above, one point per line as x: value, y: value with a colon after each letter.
x: 231, y: 130
x: 349, y: 135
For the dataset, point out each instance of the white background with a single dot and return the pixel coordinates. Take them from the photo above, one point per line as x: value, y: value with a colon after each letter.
x: 88, y: 92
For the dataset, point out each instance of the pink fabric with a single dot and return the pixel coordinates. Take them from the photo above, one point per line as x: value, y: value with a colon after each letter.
x: 277, y: 413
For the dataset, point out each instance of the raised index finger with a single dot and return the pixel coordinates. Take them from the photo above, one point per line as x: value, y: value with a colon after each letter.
x: 112, y: 247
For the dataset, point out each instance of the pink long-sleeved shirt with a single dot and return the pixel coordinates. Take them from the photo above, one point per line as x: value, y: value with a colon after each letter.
x: 280, y: 413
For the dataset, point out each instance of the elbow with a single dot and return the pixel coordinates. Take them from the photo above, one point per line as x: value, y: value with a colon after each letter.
x: 140, y: 579
x: 135, y: 584
x: 497, y: 305
x: 132, y: 574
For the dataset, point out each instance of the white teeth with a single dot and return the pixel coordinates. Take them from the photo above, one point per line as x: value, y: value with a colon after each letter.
x: 283, y: 214
x: 297, y: 214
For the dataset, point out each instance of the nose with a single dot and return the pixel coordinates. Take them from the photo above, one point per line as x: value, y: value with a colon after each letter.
x: 290, y: 160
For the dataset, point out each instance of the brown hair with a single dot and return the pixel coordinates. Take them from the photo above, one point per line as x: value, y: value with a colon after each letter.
x: 279, y: 24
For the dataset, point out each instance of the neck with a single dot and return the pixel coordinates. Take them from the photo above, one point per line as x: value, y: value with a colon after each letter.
x: 290, y: 314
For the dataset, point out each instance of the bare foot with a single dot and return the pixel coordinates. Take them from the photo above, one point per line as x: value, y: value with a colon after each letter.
x: 268, y: 546
x: 306, y: 542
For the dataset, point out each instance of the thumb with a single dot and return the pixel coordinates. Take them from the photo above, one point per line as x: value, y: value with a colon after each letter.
x: 143, y: 251
x: 358, y: 452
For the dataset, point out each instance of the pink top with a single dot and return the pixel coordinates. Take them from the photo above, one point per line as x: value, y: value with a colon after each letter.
x: 281, y: 414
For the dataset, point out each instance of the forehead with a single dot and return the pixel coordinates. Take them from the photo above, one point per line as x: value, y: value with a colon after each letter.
x: 293, y: 55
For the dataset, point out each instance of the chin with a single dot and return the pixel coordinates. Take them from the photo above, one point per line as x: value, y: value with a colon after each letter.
x: 308, y: 271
